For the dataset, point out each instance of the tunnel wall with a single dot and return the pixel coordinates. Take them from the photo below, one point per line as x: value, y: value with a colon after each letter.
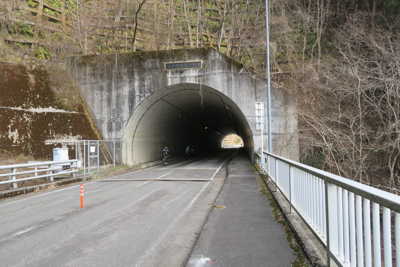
x: 113, y: 86
x: 40, y: 108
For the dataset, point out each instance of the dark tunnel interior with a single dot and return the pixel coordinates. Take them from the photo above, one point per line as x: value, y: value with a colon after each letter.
x: 181, y: 115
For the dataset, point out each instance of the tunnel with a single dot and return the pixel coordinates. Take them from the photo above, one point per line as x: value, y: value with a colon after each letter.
x: 180, y: 115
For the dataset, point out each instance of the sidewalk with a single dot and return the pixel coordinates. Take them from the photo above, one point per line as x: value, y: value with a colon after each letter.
x: 241, y: 230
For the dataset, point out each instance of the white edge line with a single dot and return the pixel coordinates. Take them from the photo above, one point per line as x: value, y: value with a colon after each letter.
x: 219, y: 168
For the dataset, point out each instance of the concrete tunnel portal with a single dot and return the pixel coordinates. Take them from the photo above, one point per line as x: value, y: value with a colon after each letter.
x: 168, y: 98
x: 183, y: 114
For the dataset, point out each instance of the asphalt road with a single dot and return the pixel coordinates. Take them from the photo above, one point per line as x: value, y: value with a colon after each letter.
x: 151, y: 217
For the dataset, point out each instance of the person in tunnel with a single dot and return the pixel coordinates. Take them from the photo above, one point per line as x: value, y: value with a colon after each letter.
x: 165, y: 153
x: 189, y: 150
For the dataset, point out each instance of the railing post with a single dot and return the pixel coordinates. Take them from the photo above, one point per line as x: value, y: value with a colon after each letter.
x: 359, y: 234
x: 88, y: 156
x: 367, y: 234
x: 98, y: 156
x: 50, y: 178
x: 376, y: 232
x: 340, y: 219
x: 13, y: 177
x: 74, y: 167
x: 331, y: 221
x: 387, y: 240
x: 76, y: 149
x: 276, y: 172
x: 291, y: 187
x: 397, y: 238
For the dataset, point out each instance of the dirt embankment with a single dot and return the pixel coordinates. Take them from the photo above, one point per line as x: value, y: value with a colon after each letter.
x: 40, y: 109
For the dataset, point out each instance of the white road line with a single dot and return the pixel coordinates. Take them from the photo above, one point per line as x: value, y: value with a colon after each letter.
x: 163, y: 175
x: 219, y: 168
x: 30, y: 229
x: 87, y: 183
x: 171, y: 226
x: 176, y: 198
x: 43, y: 194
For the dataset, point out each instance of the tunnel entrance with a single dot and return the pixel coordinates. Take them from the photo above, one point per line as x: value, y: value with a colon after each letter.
x: 232, y: 141
x: 180, y: 115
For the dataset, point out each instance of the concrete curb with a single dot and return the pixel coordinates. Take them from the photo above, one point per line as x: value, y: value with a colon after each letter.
x: 314, y: 251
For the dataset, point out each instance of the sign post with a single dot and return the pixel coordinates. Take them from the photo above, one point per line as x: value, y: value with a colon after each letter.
x: 260, y: 126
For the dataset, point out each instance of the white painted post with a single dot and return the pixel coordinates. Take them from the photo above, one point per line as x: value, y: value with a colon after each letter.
x: 359, y: 229
x: 397, y: 232
x: 346, y: 229
x: 367, y: 233
x: 291, y: 187
x: 50, y: 178
x: 376, y: 224
x: 74, y: 167
x: 332, y: 214
x: 340, y: 220
x: 352, y: 219
x: 98, y: 155
x: 321, y: 207
x: 276, y: 172
x: 387, y: 239
x: 12, y: 178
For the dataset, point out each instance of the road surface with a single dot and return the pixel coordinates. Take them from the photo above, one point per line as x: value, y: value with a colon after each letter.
x: 151, y: 217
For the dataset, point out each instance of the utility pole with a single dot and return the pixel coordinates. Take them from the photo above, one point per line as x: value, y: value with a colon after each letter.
x: 268, y: 84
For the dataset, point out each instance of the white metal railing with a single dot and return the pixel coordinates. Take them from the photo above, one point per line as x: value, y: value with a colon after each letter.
x: 357, y: 224
x: 46, y: 169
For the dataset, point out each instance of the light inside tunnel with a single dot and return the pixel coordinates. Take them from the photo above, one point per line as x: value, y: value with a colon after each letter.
x: 232, y: 141
x: 182, y: 115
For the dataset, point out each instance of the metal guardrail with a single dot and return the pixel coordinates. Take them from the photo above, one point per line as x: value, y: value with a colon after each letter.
x: 50, y: 168
x: 341, y: 213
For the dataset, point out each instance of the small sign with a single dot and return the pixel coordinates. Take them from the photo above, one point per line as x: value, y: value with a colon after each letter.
x: 259, y: 115
x: 66, y: 167
x: 92, y: 149
x: 184, y: 65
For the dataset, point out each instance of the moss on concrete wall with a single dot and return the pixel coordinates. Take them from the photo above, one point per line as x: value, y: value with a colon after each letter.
x: 40, y: 108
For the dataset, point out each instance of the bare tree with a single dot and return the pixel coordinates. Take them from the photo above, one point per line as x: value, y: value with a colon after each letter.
x: 169, y: 9
x: 188, y: 22
x: 349, y: 112
x: 136, y: 9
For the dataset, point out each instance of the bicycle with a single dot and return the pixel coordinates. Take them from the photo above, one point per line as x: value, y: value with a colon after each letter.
x: 165, y: 159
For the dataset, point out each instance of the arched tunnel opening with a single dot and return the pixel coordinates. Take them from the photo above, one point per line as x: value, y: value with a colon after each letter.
x: 232, y: 141
x: 181, y: 115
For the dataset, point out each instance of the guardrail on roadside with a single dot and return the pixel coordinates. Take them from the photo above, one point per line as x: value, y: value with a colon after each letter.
x: 46, y: 169
x: 339, y: 211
